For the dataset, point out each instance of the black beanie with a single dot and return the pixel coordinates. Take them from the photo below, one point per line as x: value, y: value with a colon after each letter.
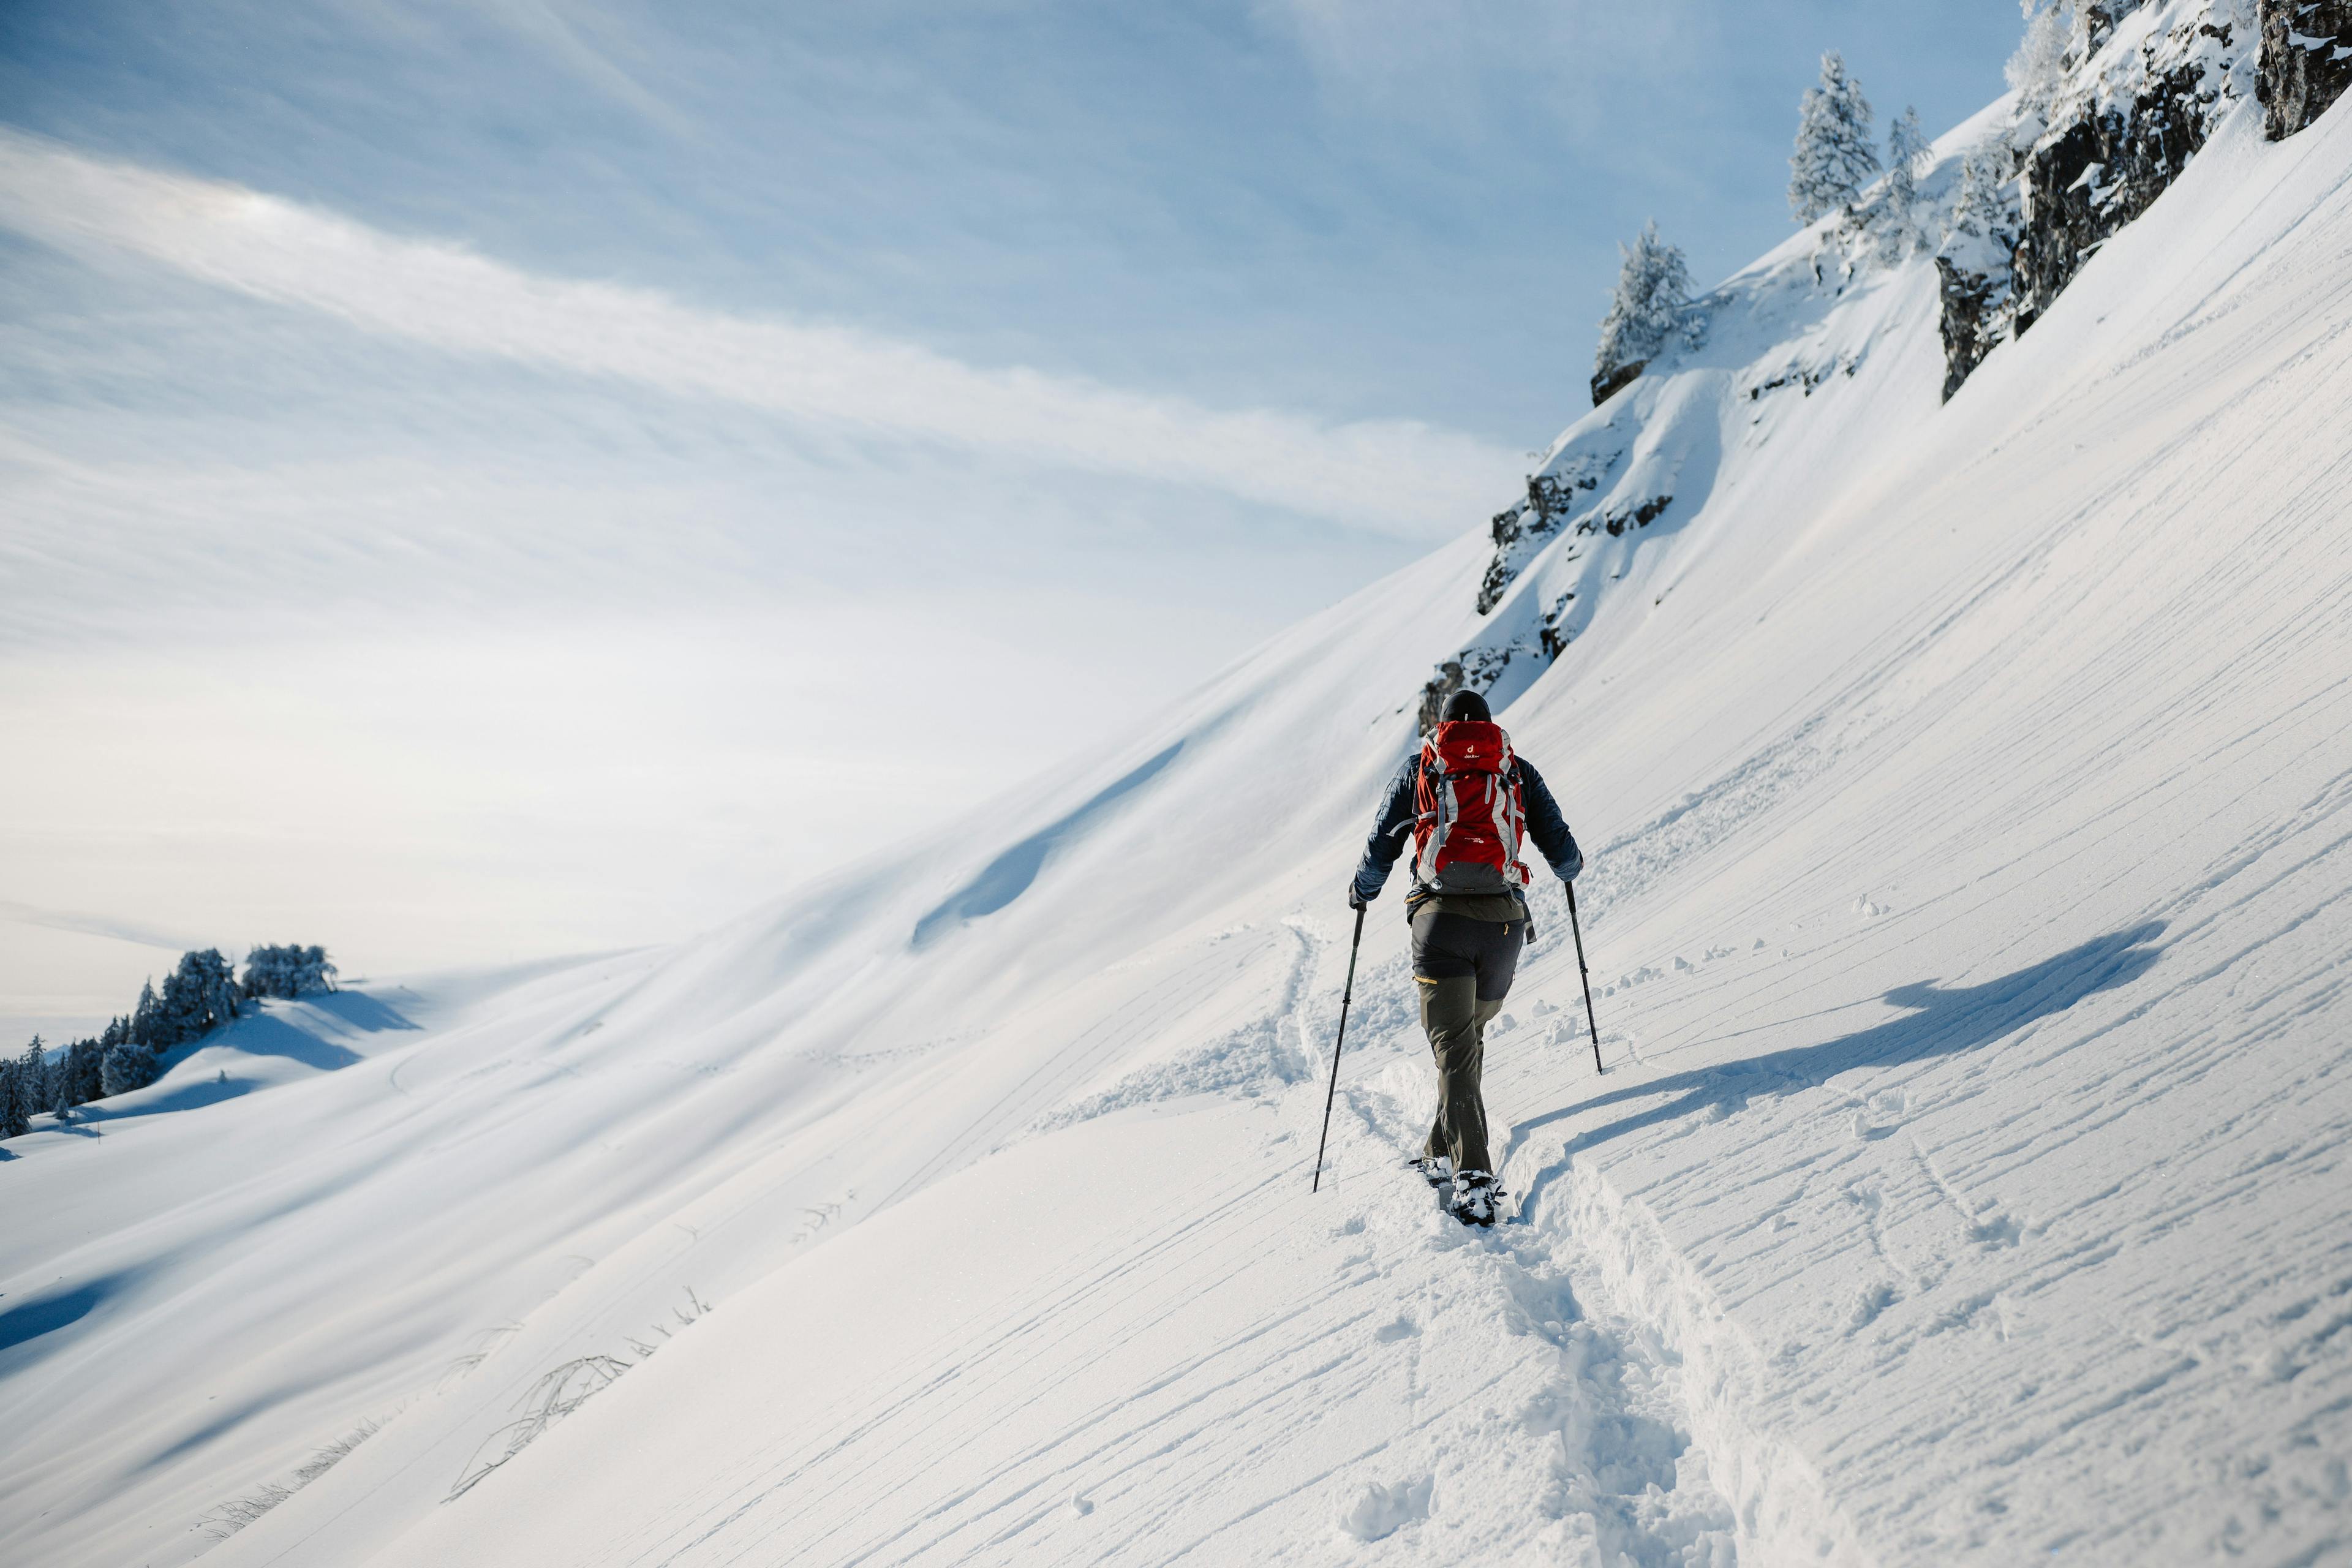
x: 1467, y: 705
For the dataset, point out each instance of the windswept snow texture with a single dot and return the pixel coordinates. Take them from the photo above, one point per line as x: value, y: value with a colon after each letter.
x: 1969, y: 817
x: 1008, y: 876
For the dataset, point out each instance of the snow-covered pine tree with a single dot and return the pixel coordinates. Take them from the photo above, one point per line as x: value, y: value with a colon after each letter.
x: 33, y: 1073
x: 2039, y: 65
x: 1898, y: 216
x: 183, y: 1006
x: 83, y: 1061
x: 146, y: 1023
x: 125, y: 1068
x: 1834, y: 157
x: 289, y: 971
x: 198, y: 995
x: 1976, y: 238
x: 65, y: 1081
x: 16, y: 1119
x: 215, y: 980
x: 264, y: 971
x: 1653, y: 297
x: 178, y: 1006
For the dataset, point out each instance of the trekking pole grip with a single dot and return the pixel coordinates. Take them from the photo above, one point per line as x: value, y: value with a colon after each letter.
x: 1346, y: 996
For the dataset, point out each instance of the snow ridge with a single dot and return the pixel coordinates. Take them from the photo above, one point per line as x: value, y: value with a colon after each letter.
x: 1963, y: 785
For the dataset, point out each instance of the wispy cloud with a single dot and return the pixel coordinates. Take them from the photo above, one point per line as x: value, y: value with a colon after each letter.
x: 1444, y: 66
x: 538, y: 22
x: 97, y: 925
x: 1398, y: 476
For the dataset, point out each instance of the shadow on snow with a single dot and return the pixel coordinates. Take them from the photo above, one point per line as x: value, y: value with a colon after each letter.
x: 1942, y: 1021
x: 358, y: 1010
x: 1008, y: 876
x: 262, y: 1033
x: 26, y: 1321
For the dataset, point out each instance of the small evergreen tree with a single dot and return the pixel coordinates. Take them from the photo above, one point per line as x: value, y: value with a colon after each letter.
x: 1898, y: 214
x: 197, y: 996
x: 15, y: 1120
x: 176, y: 1007
x: 288, y: 971
x: 1906, y: 144
x: 1976, y: 234
x: 146, y: 1024
x: 33, y: 1077
x: 1653, y: 297
x: 2039, y: 66
x: 64, y: 1082
x: 1833, y: 157
x: 214, y: 980
x: 82, y: 1067
x: 125, y: 1068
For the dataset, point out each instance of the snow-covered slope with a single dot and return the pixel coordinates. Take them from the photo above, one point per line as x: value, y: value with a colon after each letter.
x: 1970, y: 827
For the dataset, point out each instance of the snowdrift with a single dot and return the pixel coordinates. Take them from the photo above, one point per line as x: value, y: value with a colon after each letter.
x: 1969, y: 823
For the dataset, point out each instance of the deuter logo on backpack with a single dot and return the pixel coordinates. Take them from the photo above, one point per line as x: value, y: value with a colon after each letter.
x: 1468, y: 821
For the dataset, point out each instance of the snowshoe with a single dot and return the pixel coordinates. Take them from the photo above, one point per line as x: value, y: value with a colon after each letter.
x: 1436, y: 1169
x: 1476, y: 1198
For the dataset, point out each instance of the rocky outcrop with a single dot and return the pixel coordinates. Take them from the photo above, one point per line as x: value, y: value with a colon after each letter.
x: 2095, y: 139
x: 2126, y: 124
x: 1436, y: 690
x: 1526, y: 526
x: 2088, y: 177
x: 1483, y: 664
x: 1972, y: 301
x: 1606, y: 383
x: 2305, y: 61
x: 1477, y: 669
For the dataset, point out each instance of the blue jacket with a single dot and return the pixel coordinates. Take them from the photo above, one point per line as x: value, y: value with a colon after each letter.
x: 1546, y: 826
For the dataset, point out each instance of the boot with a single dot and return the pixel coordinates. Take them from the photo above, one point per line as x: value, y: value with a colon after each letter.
x: 1474, y: 1196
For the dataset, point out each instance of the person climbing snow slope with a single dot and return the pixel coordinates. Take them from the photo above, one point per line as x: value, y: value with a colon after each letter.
x: 1468, y: 803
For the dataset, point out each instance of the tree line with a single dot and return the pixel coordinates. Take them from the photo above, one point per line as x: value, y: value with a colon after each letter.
x: 1834, y: 168
x: 200, y: 995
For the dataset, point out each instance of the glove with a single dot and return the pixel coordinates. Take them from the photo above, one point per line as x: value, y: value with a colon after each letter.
x: 1575, y: 863
x: 1356, y: 900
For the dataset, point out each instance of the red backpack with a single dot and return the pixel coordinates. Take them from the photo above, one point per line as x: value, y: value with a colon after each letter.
x: 1468, y: 821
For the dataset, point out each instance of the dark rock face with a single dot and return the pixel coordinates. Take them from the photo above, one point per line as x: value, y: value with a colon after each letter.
x: 1520, y: 531
x: 2105, y: 169
x: 2110, y: 153
x: 1478, y: 668
x: 2109, y: 158
x: 1618, y: 519
x: 1483, y: 664
x: 1606, y: 385
x: 2305, y: 61
x: 1970, y: 299
x: 1441, y: 686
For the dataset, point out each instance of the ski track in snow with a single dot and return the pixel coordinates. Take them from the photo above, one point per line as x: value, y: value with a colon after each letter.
x: 1971, y: 844
x: 1590, y: 1418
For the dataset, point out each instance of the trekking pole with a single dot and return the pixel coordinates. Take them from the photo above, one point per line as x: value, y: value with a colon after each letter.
x: 1594, y: 1023
x: 1329, y: 1094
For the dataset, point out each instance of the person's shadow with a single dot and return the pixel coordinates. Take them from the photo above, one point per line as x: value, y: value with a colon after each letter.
x: 1943, y: 1021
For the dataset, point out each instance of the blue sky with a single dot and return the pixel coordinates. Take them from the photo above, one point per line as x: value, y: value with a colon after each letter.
x: 496, y: 454
x: 1360, y: 206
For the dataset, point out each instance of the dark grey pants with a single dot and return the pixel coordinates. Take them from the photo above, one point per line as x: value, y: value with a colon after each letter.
x: 1462, y: 968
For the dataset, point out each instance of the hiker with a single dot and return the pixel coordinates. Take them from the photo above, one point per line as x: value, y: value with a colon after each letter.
x: 1467, y: 802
